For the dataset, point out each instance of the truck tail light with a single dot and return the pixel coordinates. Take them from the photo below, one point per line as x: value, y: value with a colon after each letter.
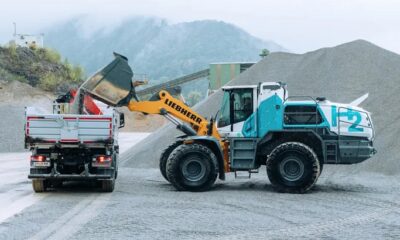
x: 38, y: 158
x: 102, y: 161
x: 40, y: 161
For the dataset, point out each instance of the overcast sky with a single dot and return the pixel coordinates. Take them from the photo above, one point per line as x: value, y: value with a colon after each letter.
x: 298, y: 25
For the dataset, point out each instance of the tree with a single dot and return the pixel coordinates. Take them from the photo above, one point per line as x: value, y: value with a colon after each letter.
x: 264, y: 53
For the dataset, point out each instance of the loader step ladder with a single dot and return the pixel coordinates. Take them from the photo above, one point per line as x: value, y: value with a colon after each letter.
x: 243, y: 152
x: 245, y: 174
x: 331, y: 150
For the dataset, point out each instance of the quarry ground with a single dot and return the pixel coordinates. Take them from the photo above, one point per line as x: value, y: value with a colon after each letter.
x: 363, y: 205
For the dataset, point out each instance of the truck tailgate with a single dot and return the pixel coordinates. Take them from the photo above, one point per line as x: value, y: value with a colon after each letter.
x: 68, y: 128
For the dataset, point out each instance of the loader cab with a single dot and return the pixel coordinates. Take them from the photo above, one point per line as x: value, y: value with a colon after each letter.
x: 239, y: 105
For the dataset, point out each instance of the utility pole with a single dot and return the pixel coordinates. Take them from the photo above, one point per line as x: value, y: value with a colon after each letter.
x: 15, y: 29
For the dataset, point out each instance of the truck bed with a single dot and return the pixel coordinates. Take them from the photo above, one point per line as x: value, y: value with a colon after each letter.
x: 68, y: 128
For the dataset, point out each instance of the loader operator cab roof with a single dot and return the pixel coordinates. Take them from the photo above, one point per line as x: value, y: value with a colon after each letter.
x: 227, y: 88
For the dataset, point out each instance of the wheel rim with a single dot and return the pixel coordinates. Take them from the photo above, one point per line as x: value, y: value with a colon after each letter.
x: 291, y: 168
x: 193, y: 169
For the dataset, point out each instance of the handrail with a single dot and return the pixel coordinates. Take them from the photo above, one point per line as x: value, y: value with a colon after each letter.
x: 355, y: 110
x: 308, y: 97
x: 301, y: 96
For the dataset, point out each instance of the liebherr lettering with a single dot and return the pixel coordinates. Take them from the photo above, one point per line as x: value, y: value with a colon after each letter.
x: 182, y: 110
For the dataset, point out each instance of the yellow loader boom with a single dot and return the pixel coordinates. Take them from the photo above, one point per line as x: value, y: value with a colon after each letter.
x: 167, y: 104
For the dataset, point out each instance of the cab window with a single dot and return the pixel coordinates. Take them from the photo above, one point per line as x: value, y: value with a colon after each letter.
x: 224, y: 119
x: 302, y: 115
x: 239, y: 102
x: 242, y: 104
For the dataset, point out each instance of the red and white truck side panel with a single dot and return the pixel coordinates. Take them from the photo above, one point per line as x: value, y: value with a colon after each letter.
x: 69, y: 128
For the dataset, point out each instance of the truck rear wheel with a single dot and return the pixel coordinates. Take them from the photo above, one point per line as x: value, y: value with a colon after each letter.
x: 164, y: 157
x: 293, y: 167
x: 39, y: 185
x: 107, y: 185
x: 56, y: 183
x: 192, y: 167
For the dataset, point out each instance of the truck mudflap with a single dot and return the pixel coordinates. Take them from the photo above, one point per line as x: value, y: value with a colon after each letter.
x: 71, y: 176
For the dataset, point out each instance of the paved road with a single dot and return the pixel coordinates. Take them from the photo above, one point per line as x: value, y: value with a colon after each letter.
x: 144, y: 206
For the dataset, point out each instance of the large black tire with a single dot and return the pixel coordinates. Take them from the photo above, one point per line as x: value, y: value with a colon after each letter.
x: 164, y: 157
x: 192, y: 167
x: 116, y: 164
x: 39, y: 185
x: 56, y: 183
x: 293, y: 167
x: 321, y: 167
x: 107, y: 185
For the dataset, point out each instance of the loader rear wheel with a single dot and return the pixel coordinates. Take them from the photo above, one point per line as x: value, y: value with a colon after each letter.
x: 192, y: 167
x: 39, y: 185
x: 164, y: 157
x: 107, y: 185
x: 293, y: 167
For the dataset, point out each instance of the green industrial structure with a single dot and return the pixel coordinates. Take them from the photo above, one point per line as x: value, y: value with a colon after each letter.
x: 222, y: 73
x: 218, y: 75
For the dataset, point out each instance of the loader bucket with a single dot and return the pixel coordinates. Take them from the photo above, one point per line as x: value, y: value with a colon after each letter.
x: 112, y: 84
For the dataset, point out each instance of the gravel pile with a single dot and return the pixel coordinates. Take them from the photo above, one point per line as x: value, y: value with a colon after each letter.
x: 14, y: 96
x: 342, y: 73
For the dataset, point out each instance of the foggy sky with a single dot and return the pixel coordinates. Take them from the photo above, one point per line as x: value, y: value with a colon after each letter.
x: 297, y: 25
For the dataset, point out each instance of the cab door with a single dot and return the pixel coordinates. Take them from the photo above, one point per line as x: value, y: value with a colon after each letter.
x: 237, y: 106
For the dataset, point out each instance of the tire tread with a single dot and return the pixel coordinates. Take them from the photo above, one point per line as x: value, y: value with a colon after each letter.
x: 309, y: 153
x: 173, y: 166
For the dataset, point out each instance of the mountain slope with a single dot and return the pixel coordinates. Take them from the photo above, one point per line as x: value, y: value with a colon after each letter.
x: 154, y: 47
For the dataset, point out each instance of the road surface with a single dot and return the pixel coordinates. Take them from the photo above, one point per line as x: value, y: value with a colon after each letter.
x: 144, y: 206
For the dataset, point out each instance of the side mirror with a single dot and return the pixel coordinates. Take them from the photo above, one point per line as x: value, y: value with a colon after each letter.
x: 121, y: 120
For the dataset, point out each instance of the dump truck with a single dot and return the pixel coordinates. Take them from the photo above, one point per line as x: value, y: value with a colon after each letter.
x: 73, y: 147
x: 293, y: 136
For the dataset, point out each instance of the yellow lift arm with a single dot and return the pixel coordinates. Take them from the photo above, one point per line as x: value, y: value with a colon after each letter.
x: 167, y: 104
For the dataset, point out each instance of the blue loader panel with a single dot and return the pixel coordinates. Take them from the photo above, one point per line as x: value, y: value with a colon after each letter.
x: 270, y: 118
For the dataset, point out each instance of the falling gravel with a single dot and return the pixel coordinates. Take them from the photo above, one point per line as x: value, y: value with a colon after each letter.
x: 342, y: 73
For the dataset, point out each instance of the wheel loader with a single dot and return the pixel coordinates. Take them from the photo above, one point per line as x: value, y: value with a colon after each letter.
x: 294, y: 136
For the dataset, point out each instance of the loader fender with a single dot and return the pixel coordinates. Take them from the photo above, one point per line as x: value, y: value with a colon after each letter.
x: 213, y: 144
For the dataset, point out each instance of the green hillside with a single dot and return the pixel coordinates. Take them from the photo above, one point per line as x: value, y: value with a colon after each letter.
x: 43, y: 68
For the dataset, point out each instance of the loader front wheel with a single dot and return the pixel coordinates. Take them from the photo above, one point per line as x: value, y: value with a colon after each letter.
x: 192, y: 167
x: 164, y: 157
x: 39, y: 185
x: 293, y: 167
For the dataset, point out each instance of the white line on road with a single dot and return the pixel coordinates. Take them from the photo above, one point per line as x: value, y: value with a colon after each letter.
x: 17, y: 199
x: 72, y: 221
x: 16, y: 206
